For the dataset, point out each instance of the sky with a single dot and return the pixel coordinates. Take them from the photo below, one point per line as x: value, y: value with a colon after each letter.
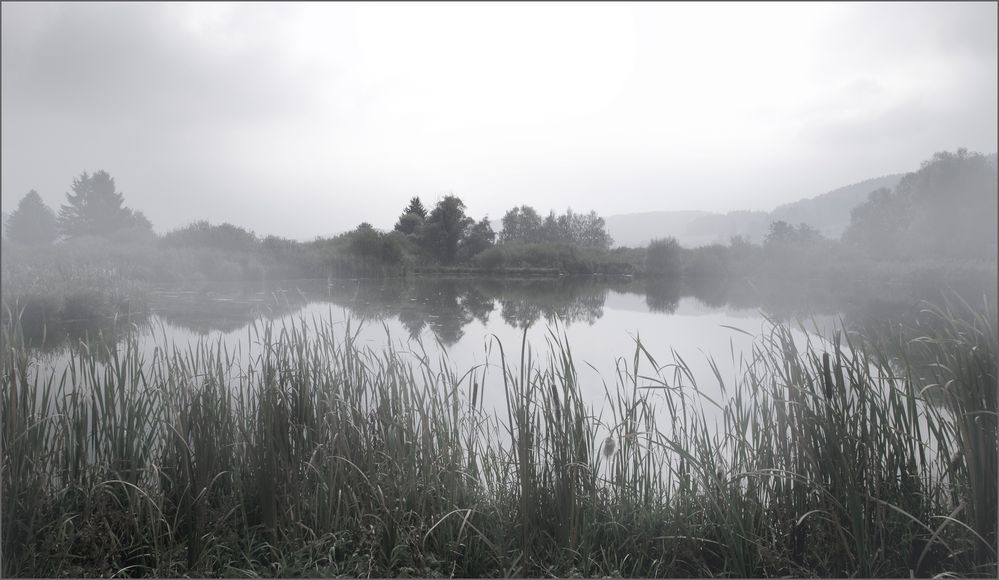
x: 303, y: 120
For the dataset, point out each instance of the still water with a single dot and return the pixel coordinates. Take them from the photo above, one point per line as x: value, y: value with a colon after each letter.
x: 461, y: 323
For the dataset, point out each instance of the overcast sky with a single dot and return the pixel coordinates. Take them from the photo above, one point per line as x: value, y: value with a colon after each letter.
x: 306, y: 119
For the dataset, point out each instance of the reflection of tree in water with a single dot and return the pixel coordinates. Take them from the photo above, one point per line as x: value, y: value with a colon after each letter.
x: 375, y: 300
x: 519, y: 313
x: 445, y: 306
x: 413, y: 320
x: 524, y: 302
x: 662, y: 295
x: 445, y: 310
x: 586, y: 306
x: 478, y: 304
x: 788, y: 299
x: 712, y: 291
x: 98, y: 335
x: 448, y: 305
x: 225, y: 310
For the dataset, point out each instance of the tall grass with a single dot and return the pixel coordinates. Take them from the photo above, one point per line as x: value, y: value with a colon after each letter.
x: 308, y: 455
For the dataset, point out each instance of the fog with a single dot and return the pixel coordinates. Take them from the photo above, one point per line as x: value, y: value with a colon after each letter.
x: 307, y: 119
x: 509, y: 289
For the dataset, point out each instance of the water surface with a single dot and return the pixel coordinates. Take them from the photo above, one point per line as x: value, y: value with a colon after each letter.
x: 462, y: 322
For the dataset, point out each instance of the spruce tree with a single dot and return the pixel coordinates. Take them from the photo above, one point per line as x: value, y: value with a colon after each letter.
x: 32, y: 222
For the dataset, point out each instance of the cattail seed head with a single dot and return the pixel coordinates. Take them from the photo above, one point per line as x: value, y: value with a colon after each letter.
x: 609, y: 446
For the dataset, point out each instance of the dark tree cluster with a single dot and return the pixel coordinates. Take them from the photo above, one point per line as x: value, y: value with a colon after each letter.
x: 412, y: 218
x: 94, y: 207
x: 447, y: 306
x: 946, y: 209
x: 664, y: 258
x: 783, y: 233
x: 523, y: 224
x: 226, y: 237
x: 445, y: 234
x: 32, y: 222
x: 939, y: 223
x: 369, y: 244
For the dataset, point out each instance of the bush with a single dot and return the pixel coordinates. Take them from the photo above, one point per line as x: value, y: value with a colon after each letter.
x: 202, y: 234
x: 493, y: 257
x: 664, y: 258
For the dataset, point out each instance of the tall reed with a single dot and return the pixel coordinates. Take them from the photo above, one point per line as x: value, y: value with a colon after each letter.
x: 304, y: 453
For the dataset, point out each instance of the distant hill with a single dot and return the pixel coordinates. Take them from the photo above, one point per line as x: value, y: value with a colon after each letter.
x: 720, y: 227
x: 828, y: 212
x: 636, y: 229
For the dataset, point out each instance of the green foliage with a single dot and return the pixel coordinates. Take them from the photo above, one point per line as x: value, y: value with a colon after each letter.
x: 564, y: 258
x: 316, y: 456
x: 54, y: 292
x: 362, y: 253
x: 225, y: 236
x: 202, y: 251
x: 664, y: 258
x: 524, y: 225
x: 444, y: 229
x: 480, y: 238
x: 416, y: 207
x: 369, y: 244
x: 494, y: 258
x: 586, y: 230
x: 521, y: 224
x: 783, y: 233
x: 96, y: 208
x: 32, y: 222
x: 283, y: 249
x: 409, y: 224
x: 412, y: 218
x: 878, y: 224
x: 946, y: 209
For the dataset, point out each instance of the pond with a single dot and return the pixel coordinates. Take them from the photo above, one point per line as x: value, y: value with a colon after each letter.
x: 691, y: 346
x: 461, y: 322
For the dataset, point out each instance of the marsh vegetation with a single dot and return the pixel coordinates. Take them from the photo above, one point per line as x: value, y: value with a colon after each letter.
x: 318, y: 456
x: 441, y: 401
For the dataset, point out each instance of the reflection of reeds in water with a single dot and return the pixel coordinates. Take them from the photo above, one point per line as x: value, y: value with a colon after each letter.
x: 48, y: 305
x: 318, y: 458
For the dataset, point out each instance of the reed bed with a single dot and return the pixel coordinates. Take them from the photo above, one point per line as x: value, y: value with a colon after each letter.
x: 309, y: 455
x: 48, y: 294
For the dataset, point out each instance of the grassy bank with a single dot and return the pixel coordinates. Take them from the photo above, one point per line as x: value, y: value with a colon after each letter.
x: 499, y: 272
x: 313, y: 456
x: 47, y: 292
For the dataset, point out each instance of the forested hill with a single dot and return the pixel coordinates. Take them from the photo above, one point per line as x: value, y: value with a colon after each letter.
x: 829, y: 213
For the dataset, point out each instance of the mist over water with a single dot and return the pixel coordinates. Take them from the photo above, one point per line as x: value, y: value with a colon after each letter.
x: 460, y: 321
x: 493, y: 290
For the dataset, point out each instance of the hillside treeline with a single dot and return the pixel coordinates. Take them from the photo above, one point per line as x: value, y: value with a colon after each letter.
x: 939, y: 224
x: 95, y: 223
x: 943, y: 213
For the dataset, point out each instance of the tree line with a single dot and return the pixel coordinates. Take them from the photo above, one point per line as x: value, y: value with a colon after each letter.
x: 94, y: 207
x: 447, y: 235
x: 443, y: 235
x: 945, y: 210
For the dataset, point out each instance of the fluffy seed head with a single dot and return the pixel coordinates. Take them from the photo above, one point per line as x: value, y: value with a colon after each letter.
x: 609, y: 445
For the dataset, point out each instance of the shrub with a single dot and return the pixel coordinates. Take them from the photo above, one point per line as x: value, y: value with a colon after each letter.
x: 664, y: 258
